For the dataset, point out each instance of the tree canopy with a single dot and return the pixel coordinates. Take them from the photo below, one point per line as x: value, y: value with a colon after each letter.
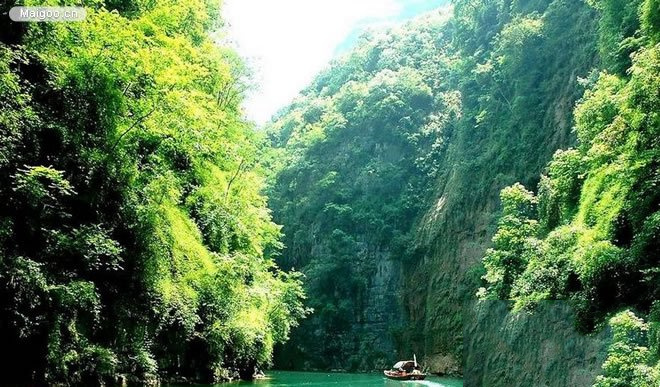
x: 134, y: 238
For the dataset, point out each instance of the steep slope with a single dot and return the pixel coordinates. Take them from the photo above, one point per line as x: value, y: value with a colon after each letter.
x: 354, y: 154
x: 592, y: 233
x: 395, y: 158
x: 519, y: 65
x: 529, y: 349
x: 132, y: 229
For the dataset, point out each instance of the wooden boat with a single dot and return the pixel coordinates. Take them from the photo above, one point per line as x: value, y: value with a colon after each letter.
x: 396, y: 375
x: 406, y: 370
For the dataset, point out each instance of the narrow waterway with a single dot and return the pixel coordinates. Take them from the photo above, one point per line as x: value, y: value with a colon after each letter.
x: 321, y: 379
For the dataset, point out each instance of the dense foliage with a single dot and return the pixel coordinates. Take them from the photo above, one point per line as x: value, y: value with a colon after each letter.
x: 629, y: 356
x: 391, y: 158
x: 133, y: 235
x: 354, y: 160
x: 592, y: 232
x: 135, y: 238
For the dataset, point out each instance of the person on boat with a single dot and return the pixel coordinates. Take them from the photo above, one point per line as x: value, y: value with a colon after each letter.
x: 258, y: 374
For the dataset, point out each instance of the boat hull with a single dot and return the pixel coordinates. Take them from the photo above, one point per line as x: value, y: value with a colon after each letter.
x: 404, y: 376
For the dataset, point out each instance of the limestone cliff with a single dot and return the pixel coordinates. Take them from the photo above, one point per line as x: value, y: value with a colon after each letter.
x: 540, y: 349
x: 393, y: 160
x: 506, y: 134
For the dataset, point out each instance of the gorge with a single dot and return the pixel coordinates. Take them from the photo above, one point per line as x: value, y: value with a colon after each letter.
x: 477, y: 186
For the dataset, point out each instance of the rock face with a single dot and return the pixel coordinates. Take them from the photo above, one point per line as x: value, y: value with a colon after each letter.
x: 382, y: 310
x: 486, y: 153
x: 381, y: 225
x: 541, y: 349
x: 367, y: 340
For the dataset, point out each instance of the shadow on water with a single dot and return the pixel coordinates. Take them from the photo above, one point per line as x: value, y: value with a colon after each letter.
x: 320, y: 379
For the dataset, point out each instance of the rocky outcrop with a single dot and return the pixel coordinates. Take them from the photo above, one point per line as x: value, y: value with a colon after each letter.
x: 486, y: 153
x: 539, y: 349
x: 382, y: 310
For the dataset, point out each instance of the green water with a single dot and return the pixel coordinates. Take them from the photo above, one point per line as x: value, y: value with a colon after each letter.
x: 319, y: 379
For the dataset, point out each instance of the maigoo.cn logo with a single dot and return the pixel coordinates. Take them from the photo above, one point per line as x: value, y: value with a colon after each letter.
x: 47, y: 14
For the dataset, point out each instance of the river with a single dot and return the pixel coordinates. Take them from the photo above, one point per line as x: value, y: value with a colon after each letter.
x: 323, y: 379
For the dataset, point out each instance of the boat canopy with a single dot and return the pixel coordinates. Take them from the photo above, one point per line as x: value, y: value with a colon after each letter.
x: 404, y: 364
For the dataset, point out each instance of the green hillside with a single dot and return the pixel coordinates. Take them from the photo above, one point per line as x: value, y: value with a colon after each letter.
x: 390, y: 163
x: 478, y: 187
x: 134, y: 239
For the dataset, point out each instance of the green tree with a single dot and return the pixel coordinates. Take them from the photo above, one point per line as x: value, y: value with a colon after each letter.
x: 134, y: 237
x: 628, y: 355
x: 514, y: 244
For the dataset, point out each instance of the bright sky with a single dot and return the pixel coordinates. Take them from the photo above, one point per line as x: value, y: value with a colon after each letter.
x: 287, y: 42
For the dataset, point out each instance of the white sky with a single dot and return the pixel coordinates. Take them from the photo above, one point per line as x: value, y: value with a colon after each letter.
x: 287, y: 42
